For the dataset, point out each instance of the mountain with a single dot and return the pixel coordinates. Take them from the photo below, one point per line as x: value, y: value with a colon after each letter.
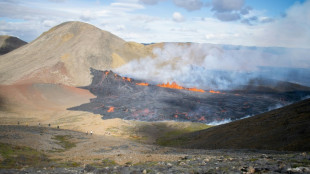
x: 9, y: 43
x: 287, y: 128
x: 65, y: 53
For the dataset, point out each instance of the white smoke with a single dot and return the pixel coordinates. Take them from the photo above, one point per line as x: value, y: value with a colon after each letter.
x: 216, y: 123
x: 209, y: 66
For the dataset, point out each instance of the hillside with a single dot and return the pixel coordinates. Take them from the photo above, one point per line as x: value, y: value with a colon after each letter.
x: 287, y: 128
x: 9, y: 43
x: 64, y: 55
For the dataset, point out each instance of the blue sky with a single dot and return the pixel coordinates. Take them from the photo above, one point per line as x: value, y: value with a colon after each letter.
x: 283, y: 23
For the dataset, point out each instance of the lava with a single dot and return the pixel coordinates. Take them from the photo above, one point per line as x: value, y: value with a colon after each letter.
x: 142, y: 84
x: 196, y: 90
x: 215, y: 92
x: 174, y: 85
x: 119, y: 98
x: 111, y: 109
x: 127, y: 78
x: 107, y: 72
x: 202, y: 118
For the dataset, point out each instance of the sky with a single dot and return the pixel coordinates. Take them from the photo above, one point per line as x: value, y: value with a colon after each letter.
x: 264, y: 23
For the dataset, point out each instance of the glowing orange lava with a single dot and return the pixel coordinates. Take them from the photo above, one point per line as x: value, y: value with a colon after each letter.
x: 111, y: 109
x: 196, y: 90
x: 127, y: 78
x: 202, y: 118
x: 106, y: 73
x: 174, y: 85
x: 142, y: 84
x: 214, y: 92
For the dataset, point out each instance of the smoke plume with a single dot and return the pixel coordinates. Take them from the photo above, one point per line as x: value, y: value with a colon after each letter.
x: 210, y: 66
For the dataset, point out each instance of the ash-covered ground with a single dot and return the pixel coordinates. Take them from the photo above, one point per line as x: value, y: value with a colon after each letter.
x: 122, y: 97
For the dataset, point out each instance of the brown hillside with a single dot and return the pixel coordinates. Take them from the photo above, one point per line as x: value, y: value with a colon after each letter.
x: 65, y: 53
x: 9, y: 43
x: 287, y: 128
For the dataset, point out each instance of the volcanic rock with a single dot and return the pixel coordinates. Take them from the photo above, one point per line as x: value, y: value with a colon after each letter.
x: 122, y: 97
x: 65, y: 53
x: 9, y: 43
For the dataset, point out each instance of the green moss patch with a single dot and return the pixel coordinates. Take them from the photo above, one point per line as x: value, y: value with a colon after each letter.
x: 19, y: 156
x: 104, y: 163
x: 65, y: 141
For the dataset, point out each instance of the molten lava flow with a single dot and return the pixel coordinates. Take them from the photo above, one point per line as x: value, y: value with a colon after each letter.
x: 202, y: 118
x: 173, y: 85
x: 111, y: 109
x: 214, y: 92
x: 195, y: 89
x: 127, y: 78
x: 142, y: 84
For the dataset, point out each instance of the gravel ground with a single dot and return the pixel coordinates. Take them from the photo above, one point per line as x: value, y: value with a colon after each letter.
x: 216, y: 162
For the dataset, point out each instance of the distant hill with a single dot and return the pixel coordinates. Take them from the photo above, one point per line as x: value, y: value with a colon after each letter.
x: 287, y: 128
x: 9, y: 43
x: 65, y: 53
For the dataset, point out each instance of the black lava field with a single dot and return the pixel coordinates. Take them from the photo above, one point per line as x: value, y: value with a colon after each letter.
x: 125, y: 98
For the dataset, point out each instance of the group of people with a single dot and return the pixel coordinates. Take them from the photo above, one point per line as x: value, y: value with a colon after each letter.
x: 49, y: 125
x: 91, y: 132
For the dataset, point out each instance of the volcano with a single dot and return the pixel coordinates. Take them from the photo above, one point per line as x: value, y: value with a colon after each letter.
x: 130, y: 99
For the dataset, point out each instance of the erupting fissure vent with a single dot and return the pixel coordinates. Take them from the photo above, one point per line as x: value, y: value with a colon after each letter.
x: 139, y: 100
x: 174, y: 85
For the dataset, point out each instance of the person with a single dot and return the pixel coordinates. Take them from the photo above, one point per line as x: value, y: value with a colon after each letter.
x: 91, y: 132
x: 39, y: 124
x: 86, y: 132
x: 57, y: 127
x: 49, y: 125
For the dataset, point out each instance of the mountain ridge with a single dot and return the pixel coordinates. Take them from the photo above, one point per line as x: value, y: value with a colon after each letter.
x: 64, y: 55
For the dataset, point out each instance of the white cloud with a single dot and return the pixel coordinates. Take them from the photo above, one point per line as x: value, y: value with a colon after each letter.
x: 129, y: 6
x: 229, y: 10
x: 189, y: 5
x: 228, y: 16
x: 29, y: 19
x: 58, y: 1
x: 227, y: 5
x: 221, y: 36
x: 178, y: 17
x: 150, y: 2
x: 290, y: 31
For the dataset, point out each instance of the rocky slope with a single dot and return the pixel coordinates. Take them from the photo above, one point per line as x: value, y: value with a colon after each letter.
x: 9, y: 43
x: 65, y: 53
x: 43, y: 149
x: 287, y: 128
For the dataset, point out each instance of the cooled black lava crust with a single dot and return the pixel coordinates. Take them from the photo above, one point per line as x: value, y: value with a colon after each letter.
x: 120, y: 97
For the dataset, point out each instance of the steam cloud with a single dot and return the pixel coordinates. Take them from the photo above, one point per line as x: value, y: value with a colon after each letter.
x: 209, y: 66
